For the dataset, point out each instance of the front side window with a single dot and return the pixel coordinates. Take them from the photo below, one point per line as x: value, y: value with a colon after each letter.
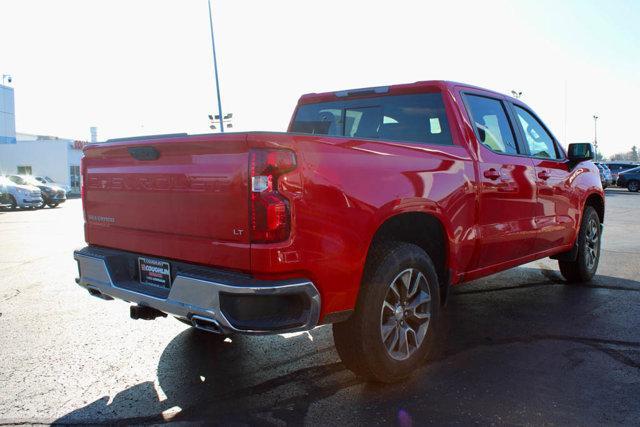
x: 491, y: 124
x: 417, y: 118
x: 538, y: 139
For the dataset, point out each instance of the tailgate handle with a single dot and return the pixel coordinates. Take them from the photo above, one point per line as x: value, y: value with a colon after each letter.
x: 144, y: 153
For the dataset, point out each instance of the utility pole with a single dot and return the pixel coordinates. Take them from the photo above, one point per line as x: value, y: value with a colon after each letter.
x: 595, y: 134
x: 215, y: 69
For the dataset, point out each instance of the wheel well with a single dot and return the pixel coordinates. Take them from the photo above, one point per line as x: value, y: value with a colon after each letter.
x: 598, y: 204
x: 423, y: 230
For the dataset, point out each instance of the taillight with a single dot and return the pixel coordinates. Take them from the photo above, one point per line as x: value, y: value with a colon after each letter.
x: 270, y: 214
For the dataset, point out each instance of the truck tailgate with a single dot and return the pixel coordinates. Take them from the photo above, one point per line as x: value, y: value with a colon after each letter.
x: 182, y: 198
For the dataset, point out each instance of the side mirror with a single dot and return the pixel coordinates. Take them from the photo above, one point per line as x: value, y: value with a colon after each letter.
x: 580, y: 152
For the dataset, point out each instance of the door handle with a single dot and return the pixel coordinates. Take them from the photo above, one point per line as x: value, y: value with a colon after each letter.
x: 544, y: 175
x: 492, y: 174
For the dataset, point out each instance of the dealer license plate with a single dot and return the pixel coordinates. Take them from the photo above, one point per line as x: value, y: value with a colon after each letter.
x: 154, y: 272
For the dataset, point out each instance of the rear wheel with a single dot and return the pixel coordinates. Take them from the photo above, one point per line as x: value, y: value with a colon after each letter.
x: 392, y: 329
x: 633, y: 186
x: 586, y: 263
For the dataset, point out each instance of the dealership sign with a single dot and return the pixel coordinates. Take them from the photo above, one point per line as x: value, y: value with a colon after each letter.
x: 78, y: 145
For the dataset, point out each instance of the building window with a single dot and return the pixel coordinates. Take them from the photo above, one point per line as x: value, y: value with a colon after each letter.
x: 74, y: 178
x: 24, y: 170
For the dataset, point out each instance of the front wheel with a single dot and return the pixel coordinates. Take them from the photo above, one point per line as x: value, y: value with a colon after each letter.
x: 633, y: 186
x: 586, y: 263
x: 392, y: 329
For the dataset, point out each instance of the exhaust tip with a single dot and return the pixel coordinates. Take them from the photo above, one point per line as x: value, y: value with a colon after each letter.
x: 206, y: 324
x: 96, y: 293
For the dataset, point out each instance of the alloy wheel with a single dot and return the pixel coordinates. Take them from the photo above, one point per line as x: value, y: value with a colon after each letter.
x: 592, y: 242
x: 406, y: 312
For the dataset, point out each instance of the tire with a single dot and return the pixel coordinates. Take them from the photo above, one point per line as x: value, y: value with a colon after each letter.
x: 13, y: 202
x: 53, y: 205
x: 584, y: 267
x: 633, y: 186
x: 359, y: 340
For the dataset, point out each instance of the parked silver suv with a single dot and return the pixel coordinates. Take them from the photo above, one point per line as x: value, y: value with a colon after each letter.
x: 21, y: 195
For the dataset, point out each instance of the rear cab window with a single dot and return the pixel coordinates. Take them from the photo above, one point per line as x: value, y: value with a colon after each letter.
x: 419, y: 118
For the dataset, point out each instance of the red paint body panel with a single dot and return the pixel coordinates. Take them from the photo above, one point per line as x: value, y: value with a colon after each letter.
x: 191, y: 204
x: 185, y: 205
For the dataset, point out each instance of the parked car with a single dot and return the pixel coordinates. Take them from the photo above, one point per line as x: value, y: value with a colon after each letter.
x: 52, y: 194
x: 48, y: 181
x: 605, y: 175
x: 5, y: 197
x: 630, y: 179
x: 23, y: 196
x: 363, y: 216
x: 617, y: 167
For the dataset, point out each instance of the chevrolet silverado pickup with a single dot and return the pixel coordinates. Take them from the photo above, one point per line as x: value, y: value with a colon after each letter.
x: 363, y: 215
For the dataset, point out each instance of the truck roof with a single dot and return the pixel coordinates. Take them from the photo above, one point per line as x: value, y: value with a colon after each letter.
x: 398, y: 89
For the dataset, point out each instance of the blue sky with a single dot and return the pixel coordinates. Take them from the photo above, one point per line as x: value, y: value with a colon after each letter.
x: 142, y: 67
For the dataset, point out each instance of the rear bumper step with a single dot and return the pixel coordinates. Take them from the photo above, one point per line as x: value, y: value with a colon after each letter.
x: 210, y: 299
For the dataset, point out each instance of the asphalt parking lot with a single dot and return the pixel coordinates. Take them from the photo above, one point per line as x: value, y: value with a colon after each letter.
x: 519, y: 347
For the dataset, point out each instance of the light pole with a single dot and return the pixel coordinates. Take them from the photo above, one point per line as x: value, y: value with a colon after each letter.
x: 595, y: 134
x: 215, y: 68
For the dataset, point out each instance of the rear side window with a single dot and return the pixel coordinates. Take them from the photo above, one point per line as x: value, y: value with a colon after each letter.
x: 491, y: 124
x: 415, y: 118
x: 538, y: 139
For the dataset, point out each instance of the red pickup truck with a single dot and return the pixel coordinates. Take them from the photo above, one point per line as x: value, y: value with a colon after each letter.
x: 363, y: 215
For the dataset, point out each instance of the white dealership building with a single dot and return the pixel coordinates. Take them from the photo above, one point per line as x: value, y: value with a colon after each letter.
x: 39, y: 155
x: 7, y: 116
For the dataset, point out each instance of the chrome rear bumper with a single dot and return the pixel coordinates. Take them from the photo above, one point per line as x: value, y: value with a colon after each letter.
x: 204, y: 296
